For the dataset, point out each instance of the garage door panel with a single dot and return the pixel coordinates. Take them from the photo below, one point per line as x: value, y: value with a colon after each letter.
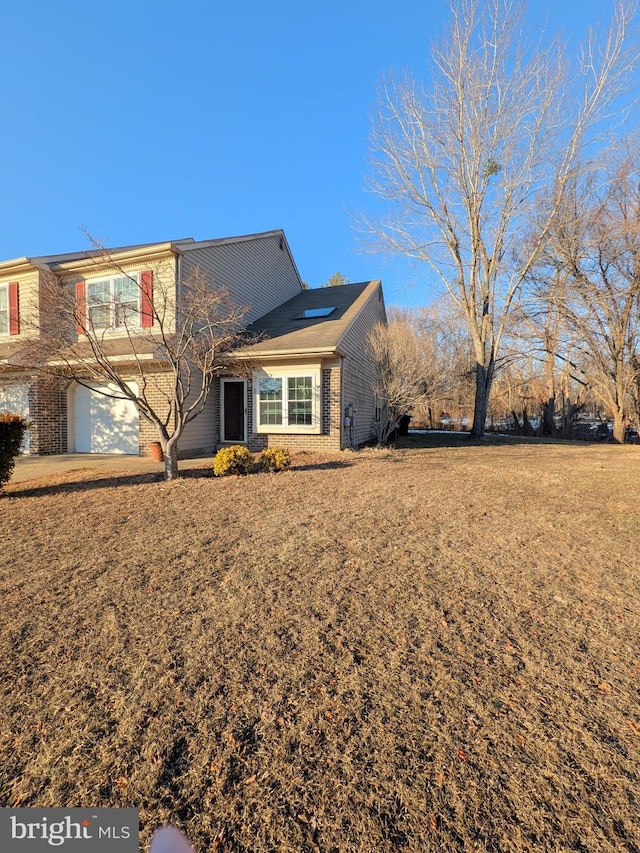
x: 105, y: 424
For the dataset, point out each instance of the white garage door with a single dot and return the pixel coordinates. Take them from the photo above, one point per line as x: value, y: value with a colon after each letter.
x: 105, y: 424
x: 15, y: 398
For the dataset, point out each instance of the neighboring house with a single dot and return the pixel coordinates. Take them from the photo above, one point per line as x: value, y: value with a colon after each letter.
x: 308, y: 378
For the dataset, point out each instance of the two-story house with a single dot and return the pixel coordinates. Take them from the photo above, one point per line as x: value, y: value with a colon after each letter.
x: 308, y: 382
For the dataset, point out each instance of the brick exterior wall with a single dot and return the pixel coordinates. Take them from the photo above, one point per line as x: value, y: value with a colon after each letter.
x: 217, y: 393
x: 255, y: 441
x: 148, y: 432
x: 48, y: 414
x: 331, y: 436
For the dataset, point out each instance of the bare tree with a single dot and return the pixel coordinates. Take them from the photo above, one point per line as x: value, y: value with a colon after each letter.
x: 446, y: 362
x: 401, y: 368
x: 169, y: 347
x: 550, y: 341
x: 595, y: 241
x: 496, y: 136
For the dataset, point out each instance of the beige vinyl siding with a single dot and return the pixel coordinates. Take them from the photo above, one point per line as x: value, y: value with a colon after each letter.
x: 28, y: 300
x: 357, y: 369
x: 257, y: 272
x: 199, y: 435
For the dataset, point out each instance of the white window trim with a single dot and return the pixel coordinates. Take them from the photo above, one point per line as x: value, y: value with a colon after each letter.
x: 133, y: 322
x: 5, y: 287
x: 314, y: 371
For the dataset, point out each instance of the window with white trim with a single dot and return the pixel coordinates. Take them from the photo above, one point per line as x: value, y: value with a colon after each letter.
x: 4, y: 309
x: 113, y: 303
x: 287, y: 400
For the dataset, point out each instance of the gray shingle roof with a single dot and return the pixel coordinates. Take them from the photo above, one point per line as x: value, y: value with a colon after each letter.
x: 283, y: 331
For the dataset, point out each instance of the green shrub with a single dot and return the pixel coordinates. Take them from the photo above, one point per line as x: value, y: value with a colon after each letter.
x: 12, y: 430
x: 232, y: 460
x: 275, y: 459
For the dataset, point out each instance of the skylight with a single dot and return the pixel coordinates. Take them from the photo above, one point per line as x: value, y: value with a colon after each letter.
x: 310, y: 313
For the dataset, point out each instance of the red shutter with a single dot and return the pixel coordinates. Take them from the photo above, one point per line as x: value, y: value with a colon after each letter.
x: 14, y: 308
x: 81, y: 307
x: 146, y: 301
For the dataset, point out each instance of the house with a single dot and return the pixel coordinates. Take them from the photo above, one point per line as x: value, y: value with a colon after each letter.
x: 307, y: 382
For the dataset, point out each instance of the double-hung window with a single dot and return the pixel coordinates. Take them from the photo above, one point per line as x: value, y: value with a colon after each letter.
x: 114, y: 303
x: 270, y: 399
x: 300, y: 400
x: 4, y: 309
x: 287, y: 400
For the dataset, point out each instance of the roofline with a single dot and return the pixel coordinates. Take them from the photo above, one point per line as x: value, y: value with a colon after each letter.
x: 121, y: 358
x: 367, y: 294
x: 16, y: 266
x: 245, y: 238
x: 70, y: 261
x: 271, y: 355
x: 81, y: 260
x: 100, y: 258
x: 240, y: 238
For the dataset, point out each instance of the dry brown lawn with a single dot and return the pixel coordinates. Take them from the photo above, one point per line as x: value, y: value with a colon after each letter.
x: 428, y: 649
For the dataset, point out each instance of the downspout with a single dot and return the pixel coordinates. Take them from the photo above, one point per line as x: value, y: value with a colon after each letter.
x: 342, y: 404
x: 352, y: 430
x: 178, y: 276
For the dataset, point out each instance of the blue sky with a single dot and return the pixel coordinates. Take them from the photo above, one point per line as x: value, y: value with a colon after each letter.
x: 145, y: 121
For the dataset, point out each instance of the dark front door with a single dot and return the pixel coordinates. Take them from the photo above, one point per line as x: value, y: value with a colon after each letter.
x: 233, y: 428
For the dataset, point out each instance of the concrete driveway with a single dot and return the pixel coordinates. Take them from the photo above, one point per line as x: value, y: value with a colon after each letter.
x: 34, y: 467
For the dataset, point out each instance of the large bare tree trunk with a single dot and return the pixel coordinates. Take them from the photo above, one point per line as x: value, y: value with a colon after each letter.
x: 484, y: 381
x: 170, y: 452
x: 618, y: 428
x: 548, y: 425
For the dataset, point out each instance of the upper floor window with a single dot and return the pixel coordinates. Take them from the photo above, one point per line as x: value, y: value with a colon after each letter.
x: 4, y: 309
x: 114, y: 302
